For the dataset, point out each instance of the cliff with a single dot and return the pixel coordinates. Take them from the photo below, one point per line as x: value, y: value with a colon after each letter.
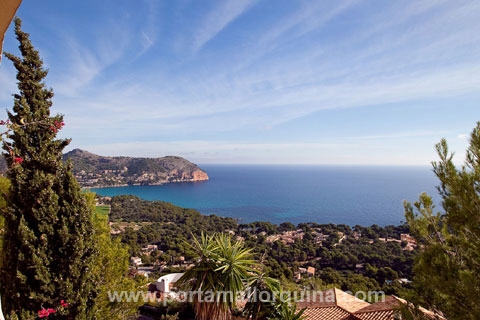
x: 92, y: 170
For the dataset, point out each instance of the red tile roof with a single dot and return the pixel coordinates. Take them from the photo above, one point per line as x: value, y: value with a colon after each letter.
x: 330, y: 313
x: 375, y: 315
x: 332, y: 298
x: 334, y: 304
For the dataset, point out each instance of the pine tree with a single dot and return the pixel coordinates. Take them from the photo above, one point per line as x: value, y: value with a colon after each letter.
x: 447, y: 267
x: 48, y: 243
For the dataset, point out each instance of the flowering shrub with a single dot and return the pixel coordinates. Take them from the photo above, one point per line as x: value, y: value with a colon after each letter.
x: 55, y: 127
x: 44, y: 313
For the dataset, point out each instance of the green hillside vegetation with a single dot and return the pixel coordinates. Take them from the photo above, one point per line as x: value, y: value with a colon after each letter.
x: 102, y: 210
x: 354, y: 263
x: 92, y: 170
x: 89, y: 162
x: 162, y: 223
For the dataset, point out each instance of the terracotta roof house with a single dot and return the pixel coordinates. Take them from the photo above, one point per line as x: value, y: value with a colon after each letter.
x: 331, y: 304
x: 382, y: 310
x: 335, y: 304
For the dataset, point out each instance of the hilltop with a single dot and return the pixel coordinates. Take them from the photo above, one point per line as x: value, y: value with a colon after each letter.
x: 92, y: 170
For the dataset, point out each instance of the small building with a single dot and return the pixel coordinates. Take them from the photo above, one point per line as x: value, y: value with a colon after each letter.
x: 167, y: 282
x: 136, y: 261
x: 311, y: 271
x: 339, y: 305
x: 359, y: 266
x: 404, y: 281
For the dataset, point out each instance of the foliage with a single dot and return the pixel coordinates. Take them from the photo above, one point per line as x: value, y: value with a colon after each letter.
x: 169, y: 226
x: 111, y: 268
x: 447, y: 269
x: 48, y: 247
x: 4, y: 191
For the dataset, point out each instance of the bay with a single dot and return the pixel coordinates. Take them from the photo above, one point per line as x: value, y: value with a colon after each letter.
x: 363, y: 195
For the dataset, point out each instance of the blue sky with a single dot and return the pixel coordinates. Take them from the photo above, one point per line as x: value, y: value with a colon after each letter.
x: 296, y: 82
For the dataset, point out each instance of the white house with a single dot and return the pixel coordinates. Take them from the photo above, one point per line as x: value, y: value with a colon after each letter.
x: 166, y: 282
x: 136, y: 261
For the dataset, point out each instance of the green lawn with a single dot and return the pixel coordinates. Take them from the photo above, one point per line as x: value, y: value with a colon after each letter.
x: 102, y: 210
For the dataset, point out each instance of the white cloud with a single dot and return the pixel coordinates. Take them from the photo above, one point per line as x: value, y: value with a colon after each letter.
x: 85, y: 66
x: 312, y: 57
x: 148, y: 33
x: 218, y: 19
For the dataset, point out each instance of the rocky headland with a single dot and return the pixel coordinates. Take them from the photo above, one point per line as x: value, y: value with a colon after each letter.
x: 92, y: 170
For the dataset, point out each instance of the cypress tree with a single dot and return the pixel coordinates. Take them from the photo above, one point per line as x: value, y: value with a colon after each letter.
x: 48, y: 244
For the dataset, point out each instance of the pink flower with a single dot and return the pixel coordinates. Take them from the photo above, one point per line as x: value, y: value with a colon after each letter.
x: 43, y: 313
x: 57, y: 125
x: 17, y: 160
x: 63, y: 303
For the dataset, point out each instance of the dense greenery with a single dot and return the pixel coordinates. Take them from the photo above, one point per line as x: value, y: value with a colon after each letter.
x: 48, y: 248
x: 358, y: 260
x: 447, y: 269
x: 111, y: 266
x: 164, y: 224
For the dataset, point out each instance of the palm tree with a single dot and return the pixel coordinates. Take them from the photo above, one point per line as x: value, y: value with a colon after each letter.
x: 218, y: 277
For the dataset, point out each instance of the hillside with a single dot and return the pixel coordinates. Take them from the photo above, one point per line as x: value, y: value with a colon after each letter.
x: 92, y: 170
x: 355, y: 259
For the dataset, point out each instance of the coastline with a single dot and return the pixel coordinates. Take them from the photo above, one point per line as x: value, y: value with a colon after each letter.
x: 141, y: 184
x: 339, y: 195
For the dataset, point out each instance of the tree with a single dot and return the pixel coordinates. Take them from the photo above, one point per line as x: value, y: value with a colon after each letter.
x: 111, y: 268
x: 4, y: 187
x: 217, y: 279
x: 48, y: 245
x: 447, y: 268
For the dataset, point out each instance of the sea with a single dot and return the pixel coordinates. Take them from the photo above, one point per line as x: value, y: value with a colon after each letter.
x: 351, y: 195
